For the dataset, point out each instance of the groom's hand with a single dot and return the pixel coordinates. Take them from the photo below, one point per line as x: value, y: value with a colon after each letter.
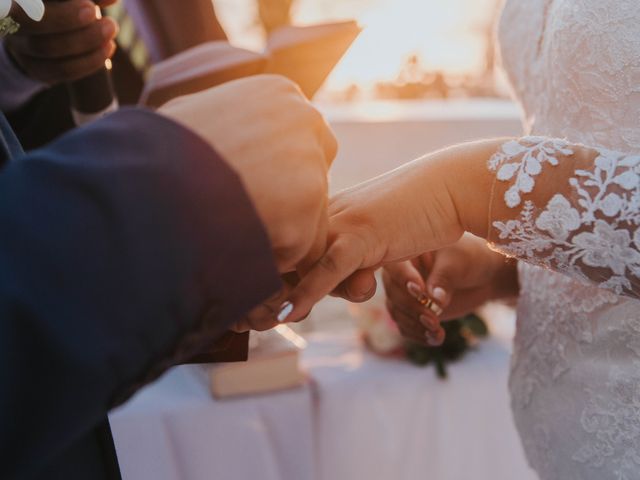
x: 282, y: 149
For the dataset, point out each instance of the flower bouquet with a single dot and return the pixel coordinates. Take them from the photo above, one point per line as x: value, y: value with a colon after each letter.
x: 381, y: 335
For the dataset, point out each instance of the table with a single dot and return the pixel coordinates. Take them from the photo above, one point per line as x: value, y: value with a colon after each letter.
x: 361, y: 417
x: 382, y: 419
x: 174, y: 430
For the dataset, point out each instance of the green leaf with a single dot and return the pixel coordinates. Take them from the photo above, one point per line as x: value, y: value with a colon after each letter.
x: 8, y: 26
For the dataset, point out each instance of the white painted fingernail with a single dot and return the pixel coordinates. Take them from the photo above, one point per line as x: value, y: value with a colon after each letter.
x: 285, y: 311
x: 439, y: 295
x: 435, y: 309
x: 416, y: 292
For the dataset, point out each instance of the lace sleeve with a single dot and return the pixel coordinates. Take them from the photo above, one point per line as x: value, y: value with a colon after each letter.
x: 569, y: 208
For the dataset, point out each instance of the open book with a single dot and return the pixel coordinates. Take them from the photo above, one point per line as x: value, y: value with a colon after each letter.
x: 273, y: 364
x: 306, y: 55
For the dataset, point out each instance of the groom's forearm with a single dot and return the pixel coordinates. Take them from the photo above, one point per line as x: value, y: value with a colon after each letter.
x: 124, y: 247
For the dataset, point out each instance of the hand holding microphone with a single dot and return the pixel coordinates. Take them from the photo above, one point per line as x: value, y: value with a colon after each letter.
x: 69, y: 45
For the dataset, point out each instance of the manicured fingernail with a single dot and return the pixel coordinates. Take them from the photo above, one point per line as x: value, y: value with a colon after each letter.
x: 439, y: 295
x: 435, y: 339
x: 430, y: 323
x: 416, y: 292
x: 87, y: 14
x: 285, y: 311
x: 434, y: 308
x: 433, y: 342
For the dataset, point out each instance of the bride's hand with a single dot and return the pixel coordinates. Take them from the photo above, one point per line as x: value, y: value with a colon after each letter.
x: 422, y: 206
x: 446, y: 284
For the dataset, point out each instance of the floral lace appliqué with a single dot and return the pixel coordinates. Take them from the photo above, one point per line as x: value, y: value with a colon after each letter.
x: 611, y: 418
x: 575, y: 68
x: 533, y: 152
x: 589, y: 231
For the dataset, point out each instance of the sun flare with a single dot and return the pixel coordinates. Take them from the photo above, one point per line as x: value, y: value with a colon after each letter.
x: 446, y: 36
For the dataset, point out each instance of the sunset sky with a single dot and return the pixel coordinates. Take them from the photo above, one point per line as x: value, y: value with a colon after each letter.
x: 446, y: 35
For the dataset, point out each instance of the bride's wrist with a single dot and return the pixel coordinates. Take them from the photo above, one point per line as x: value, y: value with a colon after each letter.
x: 470, y: 183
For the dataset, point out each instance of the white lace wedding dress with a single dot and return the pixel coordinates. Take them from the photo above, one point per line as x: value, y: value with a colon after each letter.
x: 574, y: 220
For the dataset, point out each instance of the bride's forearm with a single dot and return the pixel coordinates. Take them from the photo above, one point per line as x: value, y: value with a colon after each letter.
x: 464, y: 170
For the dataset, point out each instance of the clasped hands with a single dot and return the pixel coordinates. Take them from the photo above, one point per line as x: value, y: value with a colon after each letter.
x: 282, y: 150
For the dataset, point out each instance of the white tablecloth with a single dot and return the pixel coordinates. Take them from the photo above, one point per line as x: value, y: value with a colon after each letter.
x: 381, y: 419
x: 174, y: 430
x: 361, y: 417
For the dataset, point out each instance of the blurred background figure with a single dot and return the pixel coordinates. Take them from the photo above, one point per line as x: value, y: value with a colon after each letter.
x: 274, y: 14
x: 149, y: 31
x: 168, y: 28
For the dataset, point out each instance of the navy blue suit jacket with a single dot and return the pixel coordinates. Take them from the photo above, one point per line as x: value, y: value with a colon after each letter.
x: 125, y: 247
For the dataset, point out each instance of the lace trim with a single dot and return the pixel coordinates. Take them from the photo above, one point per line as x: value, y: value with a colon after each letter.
x: 589, y: 231
x: 612, y: 421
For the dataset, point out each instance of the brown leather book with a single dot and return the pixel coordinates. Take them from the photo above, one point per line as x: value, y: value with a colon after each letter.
x: 306, y: 55
x: 273, y: 365
x: 232, y: 347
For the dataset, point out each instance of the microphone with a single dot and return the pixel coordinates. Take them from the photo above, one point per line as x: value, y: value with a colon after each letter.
x: 94, y: 96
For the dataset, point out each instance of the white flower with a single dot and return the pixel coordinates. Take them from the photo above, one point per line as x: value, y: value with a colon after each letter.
x: 513, y: 148
x: 384, y: 338
x: 636, y: 239
x: 604, y: 161
x: 377, y: 328
x: 611, y: 204
x: 507, y: 171
x: 559, y: 218
x: 512, y: 197
x: 525, y: 183
x: 33, y: 8
x: 533, y: 166
x: 630, y: 161
x: 628, y: 180
x: 607, y: 247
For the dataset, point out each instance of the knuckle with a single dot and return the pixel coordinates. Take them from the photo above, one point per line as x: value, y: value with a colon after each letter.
x: 329, y: 262
x: 88, y: 39
x: 287, y: 85
x: 39, y: 48
x: 290, y: 237
x: 277, y: 84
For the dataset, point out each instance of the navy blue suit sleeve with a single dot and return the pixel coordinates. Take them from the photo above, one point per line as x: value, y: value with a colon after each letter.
x: 118, y: 243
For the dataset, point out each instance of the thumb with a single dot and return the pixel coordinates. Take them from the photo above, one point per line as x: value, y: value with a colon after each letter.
x: 359, y: 287
x: 341, y: 260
